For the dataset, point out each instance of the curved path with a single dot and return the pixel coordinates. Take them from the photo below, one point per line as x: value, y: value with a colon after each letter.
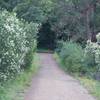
x: 51, y: 83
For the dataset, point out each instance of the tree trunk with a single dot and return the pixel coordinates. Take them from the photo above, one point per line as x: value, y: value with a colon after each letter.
x: 88, y: 25
x: 93, y: 9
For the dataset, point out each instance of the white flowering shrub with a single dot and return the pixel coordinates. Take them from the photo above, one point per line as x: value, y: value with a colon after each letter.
x: 17, y: 39
x: 93, y: 48
x: 92, y: 53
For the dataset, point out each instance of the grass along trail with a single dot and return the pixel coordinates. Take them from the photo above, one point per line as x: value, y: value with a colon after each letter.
x: 51, y: 83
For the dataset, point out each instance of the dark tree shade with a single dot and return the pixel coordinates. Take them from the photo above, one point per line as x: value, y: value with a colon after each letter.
x: 46, y: 37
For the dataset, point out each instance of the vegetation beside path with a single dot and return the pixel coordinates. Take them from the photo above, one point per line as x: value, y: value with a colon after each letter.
x: 92, y: 85
x: 14, y: 89
x: 70, y: 26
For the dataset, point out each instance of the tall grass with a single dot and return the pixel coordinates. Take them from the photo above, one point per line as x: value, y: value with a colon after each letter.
x: 93, y: 86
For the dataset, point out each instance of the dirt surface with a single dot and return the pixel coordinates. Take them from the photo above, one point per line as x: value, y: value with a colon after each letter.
x: 51, y: 83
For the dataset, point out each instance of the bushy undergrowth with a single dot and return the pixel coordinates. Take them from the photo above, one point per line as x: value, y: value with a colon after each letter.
x: 15, y: 89
x: 71, y: 55
x: 78, y: 60
x: 92, y: 55
x: 17, y: 41
x: 59, y: 46
x: 84, y: 64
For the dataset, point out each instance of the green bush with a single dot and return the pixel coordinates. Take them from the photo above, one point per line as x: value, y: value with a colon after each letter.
x: 71, y: 55
x: 29, y: 58
x: 59, y: 46
x: 85, y: 61
x: 92, y: 57
x: 17, y: 39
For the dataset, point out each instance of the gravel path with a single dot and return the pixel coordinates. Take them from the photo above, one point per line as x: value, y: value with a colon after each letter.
x: 51, y: 83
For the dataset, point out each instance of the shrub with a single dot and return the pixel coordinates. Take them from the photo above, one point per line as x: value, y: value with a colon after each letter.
x: 92, y: 56
x: 89, y: 58
x: 16, y: 40
x: 71, y: 55
x: 86, y: 61
x: 59, y: 46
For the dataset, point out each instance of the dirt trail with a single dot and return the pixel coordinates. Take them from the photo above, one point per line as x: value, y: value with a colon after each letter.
x: 51, y: 83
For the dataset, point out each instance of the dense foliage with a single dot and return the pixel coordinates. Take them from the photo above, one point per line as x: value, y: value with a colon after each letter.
x: 77, y: 60
x: 30, y: 10
x: 64, y: 24
x: 17, y: 39
x: 68, y: 20
x: 76, y: 20
x: 92, y: 55
x: 71, y: 55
